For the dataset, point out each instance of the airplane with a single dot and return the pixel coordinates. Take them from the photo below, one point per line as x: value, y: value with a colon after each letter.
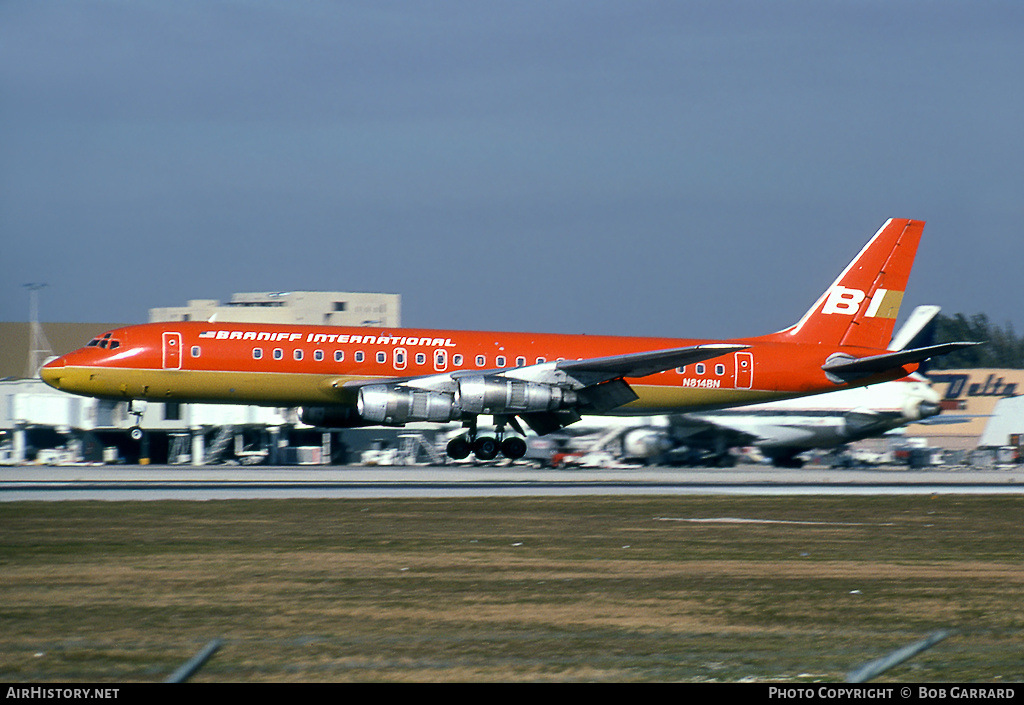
x: 780, y: 430
x: 348, y: 377
x: 793, y: 426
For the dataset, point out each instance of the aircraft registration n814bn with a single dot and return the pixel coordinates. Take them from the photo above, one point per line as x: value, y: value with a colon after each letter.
x: 348, y: 377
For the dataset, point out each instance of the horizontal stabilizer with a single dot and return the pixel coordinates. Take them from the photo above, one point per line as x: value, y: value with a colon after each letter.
x: 845, y: 368
x: 946, y: 419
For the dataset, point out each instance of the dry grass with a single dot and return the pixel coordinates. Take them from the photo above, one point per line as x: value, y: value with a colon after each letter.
x: 590, y: 589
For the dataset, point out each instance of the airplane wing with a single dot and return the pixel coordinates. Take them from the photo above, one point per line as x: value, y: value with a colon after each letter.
x: 599, y: 382
x: 593, y: 385
x: 579, y: 374
x: 602, y: 369
x: 706, y: 432
x: 571, y: 374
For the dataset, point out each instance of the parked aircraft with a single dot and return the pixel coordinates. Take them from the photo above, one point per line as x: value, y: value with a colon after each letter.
x: 346, y: 377
x: 781, y: 430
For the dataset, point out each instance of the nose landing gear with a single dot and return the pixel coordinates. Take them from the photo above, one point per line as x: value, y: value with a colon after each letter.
x: 136, y: 408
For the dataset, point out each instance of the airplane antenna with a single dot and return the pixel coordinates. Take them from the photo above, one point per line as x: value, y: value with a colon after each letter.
x: 39, y: 348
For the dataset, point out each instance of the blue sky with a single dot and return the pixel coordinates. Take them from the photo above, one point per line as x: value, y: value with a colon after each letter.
x: 697, y: 169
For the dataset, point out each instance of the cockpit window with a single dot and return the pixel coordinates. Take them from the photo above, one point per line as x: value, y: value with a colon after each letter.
x: 105, y: 342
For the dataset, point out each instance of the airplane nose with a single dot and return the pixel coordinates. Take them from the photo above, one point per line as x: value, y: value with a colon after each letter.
x: 51, y: 372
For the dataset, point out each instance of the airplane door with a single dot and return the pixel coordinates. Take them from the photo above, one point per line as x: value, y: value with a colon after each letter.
x: 172, y: 351
x: 744, y: 370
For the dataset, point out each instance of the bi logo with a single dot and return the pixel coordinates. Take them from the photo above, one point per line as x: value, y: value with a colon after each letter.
x: 847, y: 301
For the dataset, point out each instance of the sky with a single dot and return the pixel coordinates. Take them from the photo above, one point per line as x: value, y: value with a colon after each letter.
x: 689, y: 169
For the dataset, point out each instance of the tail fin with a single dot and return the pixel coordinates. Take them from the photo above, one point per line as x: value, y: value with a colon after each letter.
x: 861, y: 306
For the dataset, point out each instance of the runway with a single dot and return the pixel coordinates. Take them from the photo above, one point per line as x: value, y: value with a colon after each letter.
x: 147, y: 483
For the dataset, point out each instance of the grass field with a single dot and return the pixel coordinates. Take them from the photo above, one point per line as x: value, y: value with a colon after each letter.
x: 510, y: 589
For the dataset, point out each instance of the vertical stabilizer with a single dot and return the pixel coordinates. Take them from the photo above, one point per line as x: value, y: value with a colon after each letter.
x: 861, y: 306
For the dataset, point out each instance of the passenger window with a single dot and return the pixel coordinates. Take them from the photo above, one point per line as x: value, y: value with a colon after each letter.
x: 278, y: 354
x: 719, y: 370
x: 480, y: 361
x: 520, y: 362
x: 382, y: 357
x: 457, y: 360
x: 318, y: 355
x: 195, y: 351
x: 359, y: 356
x: 297, y: 354
x: 501, y: 361
x: 421, y: 358
x: 257, y: 353
x: 339, y: 355
x: 699, y: 369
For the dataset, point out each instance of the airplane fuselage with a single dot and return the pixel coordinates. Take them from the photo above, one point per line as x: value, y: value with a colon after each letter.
x: 293, y: 365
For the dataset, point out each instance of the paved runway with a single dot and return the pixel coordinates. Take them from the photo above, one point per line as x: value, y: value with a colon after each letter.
x: 21, y: 483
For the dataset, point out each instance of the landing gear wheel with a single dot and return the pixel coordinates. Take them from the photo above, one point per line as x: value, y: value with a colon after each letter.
x: 485, y: 448
x: 458, y: 448
x: 513, y: 448
x: 136, y: 433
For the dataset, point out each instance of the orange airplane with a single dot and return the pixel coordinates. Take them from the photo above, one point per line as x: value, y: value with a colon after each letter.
x: 348, y: 377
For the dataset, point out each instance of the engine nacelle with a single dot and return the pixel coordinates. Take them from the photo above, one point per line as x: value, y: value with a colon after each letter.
x: 489, y: 395
x: 331, y: 417
x: 917, y: 409
x: 644, y: 443
x: 381, y: 404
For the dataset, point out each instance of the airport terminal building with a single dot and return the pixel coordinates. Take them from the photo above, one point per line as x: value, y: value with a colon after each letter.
x: 975, y: 402
x: 326, y: 308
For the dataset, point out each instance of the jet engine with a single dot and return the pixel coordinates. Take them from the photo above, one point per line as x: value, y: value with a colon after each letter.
x: 382, y: 404
x: 644, y: 443
x: 917, y: 409
x: 487, y: 395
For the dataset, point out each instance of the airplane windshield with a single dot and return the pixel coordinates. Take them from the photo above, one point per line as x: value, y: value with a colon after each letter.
x: 105, y: 342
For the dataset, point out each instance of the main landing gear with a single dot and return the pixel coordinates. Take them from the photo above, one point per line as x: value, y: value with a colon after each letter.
x: 488, y: 447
